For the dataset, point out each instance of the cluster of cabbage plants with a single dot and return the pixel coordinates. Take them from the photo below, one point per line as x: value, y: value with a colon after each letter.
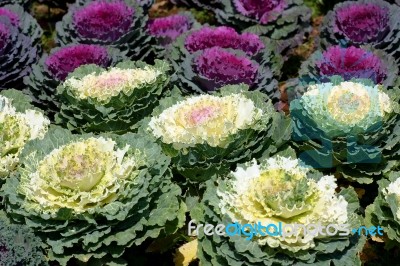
x: 134, y: 126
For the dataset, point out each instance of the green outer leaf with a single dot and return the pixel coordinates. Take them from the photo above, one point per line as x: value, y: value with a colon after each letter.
x: 20, y: 101
x: 19, y: 245
x: 382, y: 212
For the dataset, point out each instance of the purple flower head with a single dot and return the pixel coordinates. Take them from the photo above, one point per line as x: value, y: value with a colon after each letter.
x: 351, y: 63
x: 66, y: 59
x: 362, y: 22
x: 106, y: 21
x: 4, y: 37
x: 14, y: 19
x: 224, y: 37
x: 261, y: 10
x: 169, y: 28
x: 223, y: 68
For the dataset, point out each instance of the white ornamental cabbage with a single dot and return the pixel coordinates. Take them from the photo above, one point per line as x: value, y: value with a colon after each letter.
x: 17, y: 127
x: 91, y: 197
x: 207, y: 134
x: 278, y: 190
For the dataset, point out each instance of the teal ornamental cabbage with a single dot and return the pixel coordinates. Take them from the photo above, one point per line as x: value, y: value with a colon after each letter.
x: 348, y: 127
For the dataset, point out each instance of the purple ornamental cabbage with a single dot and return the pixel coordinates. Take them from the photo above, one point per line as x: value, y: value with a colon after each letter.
x: 217, y: 67
x: 210, y: 69
x: 23, y: 20
x: 262, y: 11
x: 17, y: 54
x: 167, y: 29
x: 116, y: 23
x: 352, y: 62
x: 55, y: 67
x: 365, y: 22
x: 224, y: 37
x: 286, y: 21
x: 205, y: 59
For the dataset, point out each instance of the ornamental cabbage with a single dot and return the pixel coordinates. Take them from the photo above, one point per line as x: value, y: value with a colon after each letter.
x: 52, y: 69
x: 385, y: 210
x: 95, y: 99
x: 372, y: 22
x: 208, y: 58
x: 19, y: 245
x: 167, y: 29
x: 349, y: 63
x: 279, y: 190
x: 117, y: 23
x: 286, y: 21
x: 90, y: 197
x: 208, y: 134
x: 19, y: 123
x: 349, y: 126
x: 17, y: 53
x: 23, y: 20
